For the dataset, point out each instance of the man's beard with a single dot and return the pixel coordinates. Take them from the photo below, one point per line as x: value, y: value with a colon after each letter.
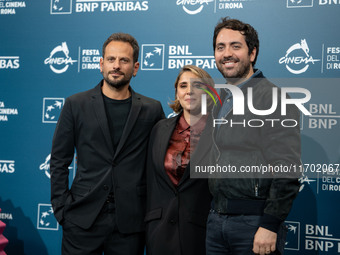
x: 237, y: 75
x: 118, y: 83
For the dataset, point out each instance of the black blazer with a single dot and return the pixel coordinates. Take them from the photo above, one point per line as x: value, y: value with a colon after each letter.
x: 176, y: 217
x: 83, y: 126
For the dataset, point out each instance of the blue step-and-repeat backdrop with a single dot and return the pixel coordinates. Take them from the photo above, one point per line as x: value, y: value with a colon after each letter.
x: 50, y: 50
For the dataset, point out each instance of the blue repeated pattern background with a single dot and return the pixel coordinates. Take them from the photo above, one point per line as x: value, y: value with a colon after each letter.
x: 51, y: 49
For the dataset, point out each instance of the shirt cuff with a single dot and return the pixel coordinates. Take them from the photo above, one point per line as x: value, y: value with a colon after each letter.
x: 270, y: 222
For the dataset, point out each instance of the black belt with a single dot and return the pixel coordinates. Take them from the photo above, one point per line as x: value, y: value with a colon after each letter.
x: 242, y: 207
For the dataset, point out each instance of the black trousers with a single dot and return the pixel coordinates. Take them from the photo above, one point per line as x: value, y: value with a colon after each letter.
x: 102, y: 237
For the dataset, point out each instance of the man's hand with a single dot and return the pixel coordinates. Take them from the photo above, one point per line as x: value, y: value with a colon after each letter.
x: 264, y: 241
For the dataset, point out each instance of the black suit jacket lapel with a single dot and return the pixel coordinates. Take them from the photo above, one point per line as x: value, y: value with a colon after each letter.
x: 99, y: 109
x: 162, y: 147
x: 136, y: 106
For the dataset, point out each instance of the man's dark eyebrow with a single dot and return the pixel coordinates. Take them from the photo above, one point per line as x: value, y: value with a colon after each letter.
x: 236, y: 42
x: 220, y: 44
x: 231, y: 43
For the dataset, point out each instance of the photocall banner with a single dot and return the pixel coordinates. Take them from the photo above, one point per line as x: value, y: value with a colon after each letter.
x: 51, y: 49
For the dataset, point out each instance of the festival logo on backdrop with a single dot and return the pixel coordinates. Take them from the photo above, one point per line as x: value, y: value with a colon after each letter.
x: 197, y: 6
x: 330, y: 181
x: 9, y: 7
x: 90, y: 6
x: 46, y: 219
x: 298, y: 58
x: 152, y: 57
x: 7, y: 166
x: 293, y: 235
x: 332, y: 57
x: 61, y: 7
x: 193, y: 7
x: 111, y: 6
x: 90, y: 59
x: 5, y: 112
x: 321, y: 238
x: 229, y: 5
x: 304, y: 180
x: 330, y: 3
x: 45, y: 167
x: 59, y: 59
x: 311, y: 237
x: 299, y: 3
x: 324, y: 116
x: 9, y: 62
x: 52, y: 109
x: 6, y: 216
x: 309, y: 3
x: 180, y: 55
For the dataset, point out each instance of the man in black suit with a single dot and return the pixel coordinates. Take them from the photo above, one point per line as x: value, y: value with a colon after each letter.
x: 109, y: 127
